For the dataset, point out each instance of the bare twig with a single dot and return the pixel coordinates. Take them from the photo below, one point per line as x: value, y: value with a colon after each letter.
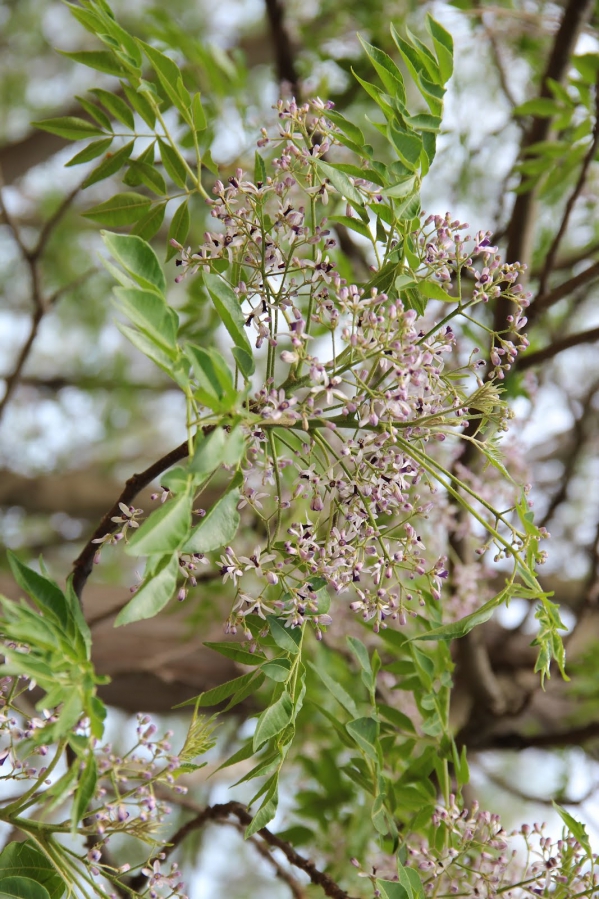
x: 544, y: 301
x: 296, y: 890
x: 82, y: 567
x: 219, y: 813
x: 584, y: 169
x: 549, y: 352
x: 510, y: 787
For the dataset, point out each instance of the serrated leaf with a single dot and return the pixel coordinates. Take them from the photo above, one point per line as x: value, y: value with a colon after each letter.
x: 227, y: 304
x: 154, y: 593
x: 150, y: 223
x: 44, y: 592
x: 110, y: 165
x: 237, y: 653
x: 340, y: 182
x: 69, y: 127
x: 165, y: 530
x: 85, y: 791
x: 116, y: 106
x: 288, y: 639
x: 273, y: 720
x: 219, y: 526
x: 137, y: 258
x: 92, y: 151
x: 26, y: 860
x: 22, y: 888
x: 173, y: 164
x: 178, y: 228
x: 336, y: 690
x: 120, y: 210
x: 100, y: 60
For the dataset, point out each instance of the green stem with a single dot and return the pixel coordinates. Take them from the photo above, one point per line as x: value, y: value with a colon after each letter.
x: 16, y: 806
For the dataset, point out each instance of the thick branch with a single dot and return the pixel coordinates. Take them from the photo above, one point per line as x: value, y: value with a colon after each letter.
x: 544, y: 301
x: 284, y: 55
x: 559, y: 346
x: 82, y: 567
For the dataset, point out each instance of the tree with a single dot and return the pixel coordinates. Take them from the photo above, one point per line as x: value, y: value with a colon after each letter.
x: 339, y: 368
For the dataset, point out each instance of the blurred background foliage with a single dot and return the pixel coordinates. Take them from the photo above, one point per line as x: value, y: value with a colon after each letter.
x: 85, y: 409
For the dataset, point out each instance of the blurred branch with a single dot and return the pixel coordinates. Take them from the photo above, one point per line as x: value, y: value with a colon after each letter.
x: 544, y: 301
x: 559, y: 346
x: 501, y: 73
x: 83, y: 564
x: 584, y: 169
x: 41, y: 304
x: 90, y: 382
x: 571, y: 460
x: 281, y: 43
x: 519, y: 230
x: 550, y: 740
x: 510, y: 787
x: 219, y: 813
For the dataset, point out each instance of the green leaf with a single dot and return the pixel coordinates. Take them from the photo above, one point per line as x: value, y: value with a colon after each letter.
x: 353, y: 224
x: 147, y: 174
x: 97, y: 114
x: 44, y: 592
x: 137, y: 258
x: 259, y: 169
x: 227, y: 304
x: 408, y: 146
x: 262, y: 818
x: 101, y: 60
x: 336, y: 690
x: 464, y: 625
x: 340, y: 182
x: 208, y: 453
x: 237, y: 653
x: 273, y: 720
x: 178, y: 228
x: 120, y: 210
x: 70, y: 127
x: 220, y: 693
x: 386, y: 70
x: 173, y: 164
x: 92, y: 151
x: 85, y: 791
x: 110, y: 165
x: 165, y: 530
x: 219, y: 526
x: 410, y: 881
x: 434, y: 291
x: 154, y: 593
x: 365, y: 733
x: 541, y: 107
x: 22, y: 888
x: 361, y: 654
x: 215, y: 380
x: 396, y: 718
x: 288, y: 639
x: 443, y: 42
x: 576, y: 828
x: 198, y: 115
x: 140, y: 104
x: 26, y: 860
x: 116, y: 106
x: 170, y: 78
x: 150, y: 349
x: 244, y: 360
x: 150, y: 313
x: 277, y: 670
x: 348, y: 128
x: 149, y: 224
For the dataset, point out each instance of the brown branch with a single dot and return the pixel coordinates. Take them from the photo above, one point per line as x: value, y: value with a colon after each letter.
x: 482, y: 682
x: 510, y: 787
x: 12, y: 380
x: 83, y: 564
x: 296, y: 889
x: 577, y: 435
x: 544, y: 301
x: 218, y: 813
x: 584, y: 169
x: 559, y: 346
x: 552, y: 740
x: 284, y: 54
x: 519, y: 230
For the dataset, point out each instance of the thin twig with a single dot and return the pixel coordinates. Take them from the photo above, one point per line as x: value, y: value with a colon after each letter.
x: 544, y: 301
x: 83, y: 564
x: 220, y: 812
x: 510, y: 787
x: 261, y: 847
x: 584, y: 169
x: 559, y: 346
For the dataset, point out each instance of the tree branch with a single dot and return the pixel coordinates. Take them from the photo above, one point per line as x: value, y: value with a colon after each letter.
x: 219, y: 813
x: 551, y: 255
x: 559, y: 346
x: 83, y: 564
x: 519, y: 230
x: 544, y: 301
x: 284, y: 55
